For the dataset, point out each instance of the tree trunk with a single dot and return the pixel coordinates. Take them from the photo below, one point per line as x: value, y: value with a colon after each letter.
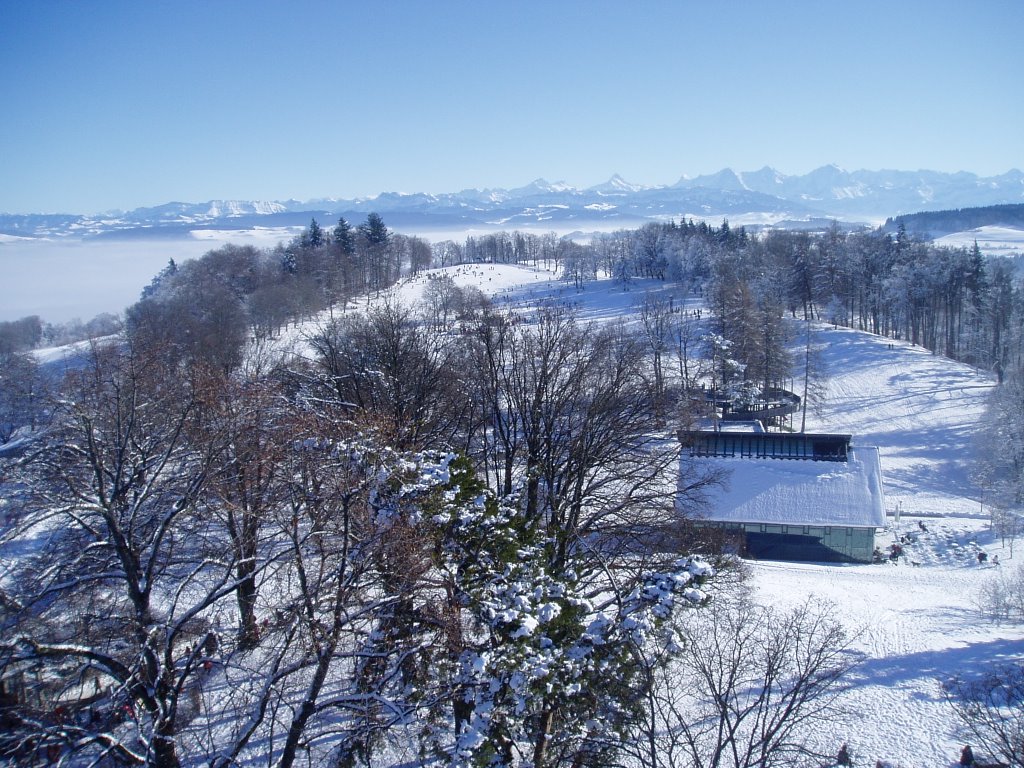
x: 164, y: 750
x: 248, y: 634
x: 544, y: 729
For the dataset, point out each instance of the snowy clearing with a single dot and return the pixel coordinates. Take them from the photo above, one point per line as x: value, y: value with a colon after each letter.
x: 1001, y: 241
x: 918, y: 625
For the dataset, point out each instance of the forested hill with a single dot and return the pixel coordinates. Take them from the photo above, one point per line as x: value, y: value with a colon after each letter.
x: 936, y: 223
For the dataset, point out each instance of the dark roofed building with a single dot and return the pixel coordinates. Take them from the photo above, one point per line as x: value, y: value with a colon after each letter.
x: 794, y: 496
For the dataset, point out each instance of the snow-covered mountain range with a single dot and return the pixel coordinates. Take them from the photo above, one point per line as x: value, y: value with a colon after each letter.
x: 765, y: 195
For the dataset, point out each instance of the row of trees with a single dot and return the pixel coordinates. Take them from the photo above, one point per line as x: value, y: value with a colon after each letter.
x: 208, y: 307
x: 31, y: 331
x: 953, y: 301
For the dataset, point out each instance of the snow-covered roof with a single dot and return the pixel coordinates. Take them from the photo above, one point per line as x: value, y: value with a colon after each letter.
x: 753, y: 425
x: 800, y: 492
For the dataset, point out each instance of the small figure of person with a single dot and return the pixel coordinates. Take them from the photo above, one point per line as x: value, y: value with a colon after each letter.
x: 995, y: 559
x: 967, y: 756
x: 895, y: 553
x: 922, y: 526
x: 843, y: 758
x: 982, y: 557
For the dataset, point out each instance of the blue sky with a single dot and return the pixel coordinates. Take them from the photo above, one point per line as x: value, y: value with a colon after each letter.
x: 124, y: 104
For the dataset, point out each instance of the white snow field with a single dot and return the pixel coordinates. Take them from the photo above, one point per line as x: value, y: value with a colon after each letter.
x: 918, y: 625
x: 998, y: 241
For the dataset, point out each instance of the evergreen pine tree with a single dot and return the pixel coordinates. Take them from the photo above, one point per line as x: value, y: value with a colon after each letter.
x: 373, y: 230
x: 315, y: 236
x: 343, y: 236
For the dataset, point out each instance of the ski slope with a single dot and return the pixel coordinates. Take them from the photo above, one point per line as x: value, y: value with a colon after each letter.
x: 916, y: 626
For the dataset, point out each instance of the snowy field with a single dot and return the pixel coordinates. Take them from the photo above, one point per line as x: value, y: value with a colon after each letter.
x: 998, y: 241
x: 917, y: 625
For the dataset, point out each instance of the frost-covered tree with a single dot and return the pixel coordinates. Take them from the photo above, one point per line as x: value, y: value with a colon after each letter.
x: 112, y: 602
x: 542, y: 669
x: 1000, y: 460
x: 726, y: 370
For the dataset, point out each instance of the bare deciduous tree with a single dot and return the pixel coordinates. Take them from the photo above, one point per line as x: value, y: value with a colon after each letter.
x: 387, y: 365
x: 750, y: 685
x: 118, y: 593
x: 991, y: 708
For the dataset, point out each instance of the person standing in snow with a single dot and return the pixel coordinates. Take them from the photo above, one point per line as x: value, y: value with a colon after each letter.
x: 843, y: 758
x: 967, y: 756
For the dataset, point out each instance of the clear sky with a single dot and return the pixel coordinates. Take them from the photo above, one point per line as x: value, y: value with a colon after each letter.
x: 107, y: 104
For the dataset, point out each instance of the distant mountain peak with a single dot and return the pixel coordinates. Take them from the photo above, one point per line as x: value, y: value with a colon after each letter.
x: 830, y: 170
x: 725, y: 179
x: 765, y: 180
x: 230, y: 208
x: 541, y: 186
x: 616, y: 185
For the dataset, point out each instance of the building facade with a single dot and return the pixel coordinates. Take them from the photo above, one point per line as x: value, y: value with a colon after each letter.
x: 793, y: 496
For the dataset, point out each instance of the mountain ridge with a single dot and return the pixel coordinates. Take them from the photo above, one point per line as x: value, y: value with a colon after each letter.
x: 825, y: 192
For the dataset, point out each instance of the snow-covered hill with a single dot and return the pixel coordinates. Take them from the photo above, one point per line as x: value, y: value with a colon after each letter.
x: 1002, y: 241
x: 918, y: 625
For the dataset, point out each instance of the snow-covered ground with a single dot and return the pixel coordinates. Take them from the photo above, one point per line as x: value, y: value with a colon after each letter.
x: 999, y: 241
x: 524, y: 287
x: 917, y: 625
